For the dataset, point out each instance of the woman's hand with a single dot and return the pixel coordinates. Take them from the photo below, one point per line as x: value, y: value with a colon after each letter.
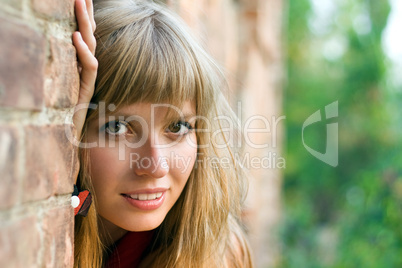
x: 85, y: 44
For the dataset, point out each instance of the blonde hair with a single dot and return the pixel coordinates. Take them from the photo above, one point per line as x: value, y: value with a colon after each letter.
x: 146, y: 53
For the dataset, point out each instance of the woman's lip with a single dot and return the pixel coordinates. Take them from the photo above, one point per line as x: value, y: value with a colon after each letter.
x: 146, y: 204
x: 147, y: 191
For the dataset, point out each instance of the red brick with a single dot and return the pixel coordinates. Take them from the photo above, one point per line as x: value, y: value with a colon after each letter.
x: 37, y: 182
x: 75, y: 166
x: 9, y: 161
x: 60, y: 9
x: 49, y: 162
x: 58, y: 226
x: 19, y: 243
x: 67, y: 170
x: 61, y: 90
x: 22, y: 57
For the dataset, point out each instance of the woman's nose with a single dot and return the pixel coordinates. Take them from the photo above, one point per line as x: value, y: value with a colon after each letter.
x: 151, y: 162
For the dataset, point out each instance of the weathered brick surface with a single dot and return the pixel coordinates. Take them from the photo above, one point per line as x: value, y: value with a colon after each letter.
x: 20, y: 243
x: 38, y: 165
x: 61, y: 75
x: 15, y: 4
x: 49, y: 160
x: 60, y: 9
x: 260, y: 70
x: 58, y: 230
x: 22, y: 57
x: 75, y: 167
x: 9, y: 161
x: 66, y: 170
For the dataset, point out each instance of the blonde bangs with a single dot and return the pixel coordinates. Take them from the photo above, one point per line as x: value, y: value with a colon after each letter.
x: 150, y: 62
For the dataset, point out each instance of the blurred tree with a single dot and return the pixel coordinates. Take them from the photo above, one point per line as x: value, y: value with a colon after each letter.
x: 351, y: 215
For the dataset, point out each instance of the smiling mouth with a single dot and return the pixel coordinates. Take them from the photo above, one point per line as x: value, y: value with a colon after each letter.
x: 144, y: 197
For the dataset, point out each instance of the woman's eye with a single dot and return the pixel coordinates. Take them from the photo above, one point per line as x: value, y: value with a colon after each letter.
x: 116, y: 127
x: 180, y: 128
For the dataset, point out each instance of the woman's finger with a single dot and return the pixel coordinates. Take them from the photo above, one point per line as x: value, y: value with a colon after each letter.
x: 84, y: 24
x: 89, y: 68
x: 88, y: 64
x: 90, y: 10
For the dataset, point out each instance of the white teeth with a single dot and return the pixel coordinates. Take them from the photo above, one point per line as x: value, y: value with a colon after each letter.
x: 144, y: 197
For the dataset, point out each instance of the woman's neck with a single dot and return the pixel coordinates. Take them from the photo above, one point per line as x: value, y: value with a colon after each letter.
x: 109, y: 232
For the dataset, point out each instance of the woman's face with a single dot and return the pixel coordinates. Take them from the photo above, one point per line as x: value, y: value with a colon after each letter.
x: 141, y: 164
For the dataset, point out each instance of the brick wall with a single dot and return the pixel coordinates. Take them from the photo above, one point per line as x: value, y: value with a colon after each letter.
x: 38, y: 84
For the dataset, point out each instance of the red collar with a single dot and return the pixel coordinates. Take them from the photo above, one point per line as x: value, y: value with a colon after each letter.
x: 128, y: 250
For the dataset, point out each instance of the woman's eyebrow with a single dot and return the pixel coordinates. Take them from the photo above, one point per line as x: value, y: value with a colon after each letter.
x: 176, y: 116
x: 117, y: 114
x: 103, y: 118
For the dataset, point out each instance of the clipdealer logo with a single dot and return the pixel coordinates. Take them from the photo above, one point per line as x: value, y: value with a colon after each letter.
x: 330, y: 156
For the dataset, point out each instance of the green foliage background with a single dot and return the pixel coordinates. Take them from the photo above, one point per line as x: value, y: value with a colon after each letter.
x: 350, y: 215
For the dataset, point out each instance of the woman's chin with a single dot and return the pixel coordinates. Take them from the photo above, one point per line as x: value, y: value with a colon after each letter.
x: 143, y: 225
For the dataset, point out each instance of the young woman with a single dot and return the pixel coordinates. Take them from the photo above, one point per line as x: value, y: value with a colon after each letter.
x: 155, y: 148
